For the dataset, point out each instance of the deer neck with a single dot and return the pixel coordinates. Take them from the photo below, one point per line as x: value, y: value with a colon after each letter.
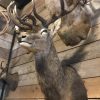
x: 47, y: 61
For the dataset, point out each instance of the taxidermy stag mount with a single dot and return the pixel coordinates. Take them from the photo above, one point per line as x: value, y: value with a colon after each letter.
x: 75, y: 21
x: 57, y: 81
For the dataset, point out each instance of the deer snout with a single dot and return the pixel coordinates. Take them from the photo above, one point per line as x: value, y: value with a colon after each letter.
x: 22, y: 38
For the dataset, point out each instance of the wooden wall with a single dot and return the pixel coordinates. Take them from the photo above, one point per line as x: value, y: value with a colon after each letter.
x: 85, y: 57
x: 4, y: 49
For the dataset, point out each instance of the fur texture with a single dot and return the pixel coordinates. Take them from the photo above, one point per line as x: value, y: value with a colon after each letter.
x: 57, y: 82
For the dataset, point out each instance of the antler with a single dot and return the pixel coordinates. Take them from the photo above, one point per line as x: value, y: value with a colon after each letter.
x: 20, y: 22
x: 54, y: 18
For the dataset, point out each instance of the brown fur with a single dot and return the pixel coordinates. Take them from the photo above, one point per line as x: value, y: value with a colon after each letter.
x: 57, y: 82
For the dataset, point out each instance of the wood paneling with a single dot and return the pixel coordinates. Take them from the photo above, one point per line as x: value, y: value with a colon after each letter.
x: 22, y: 59
x: 34, y: 91
x: 84, y: 52
x: 28, y: 79
x: 3, y: 53
x: 24, y: 68
x: 93, y: 87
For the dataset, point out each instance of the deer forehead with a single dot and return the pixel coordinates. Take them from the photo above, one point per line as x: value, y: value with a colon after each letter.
x: 23, y: 34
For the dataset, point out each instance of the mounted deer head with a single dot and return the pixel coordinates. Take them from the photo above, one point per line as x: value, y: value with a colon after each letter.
x: 22, y: 17
x: 57, y: 82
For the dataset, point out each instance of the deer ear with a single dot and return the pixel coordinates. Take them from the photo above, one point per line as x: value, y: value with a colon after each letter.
x: 54, y: 27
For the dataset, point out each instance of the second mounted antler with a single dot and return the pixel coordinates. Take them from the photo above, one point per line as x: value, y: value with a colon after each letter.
x: 24, y: 21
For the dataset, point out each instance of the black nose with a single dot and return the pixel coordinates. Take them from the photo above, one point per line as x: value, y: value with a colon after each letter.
x: 23, y: 36
x: 20, y: 38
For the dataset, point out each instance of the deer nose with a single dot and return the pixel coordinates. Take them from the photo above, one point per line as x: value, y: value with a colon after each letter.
x: 24, y: 36
x: 21, y: 38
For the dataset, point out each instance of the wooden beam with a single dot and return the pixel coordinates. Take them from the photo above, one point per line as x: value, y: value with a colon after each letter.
x: 89, y: 68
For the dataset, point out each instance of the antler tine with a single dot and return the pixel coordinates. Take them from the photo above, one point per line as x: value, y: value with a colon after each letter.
x: 42, y: 20
x: 69, y: 11
x: 53, y: 19
x: 21, y: 21
x: 63, y: 12
x: 15, y: 21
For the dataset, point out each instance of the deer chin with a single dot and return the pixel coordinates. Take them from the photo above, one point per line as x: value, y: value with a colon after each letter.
x: 25, y: 44
x: 28, y: 46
